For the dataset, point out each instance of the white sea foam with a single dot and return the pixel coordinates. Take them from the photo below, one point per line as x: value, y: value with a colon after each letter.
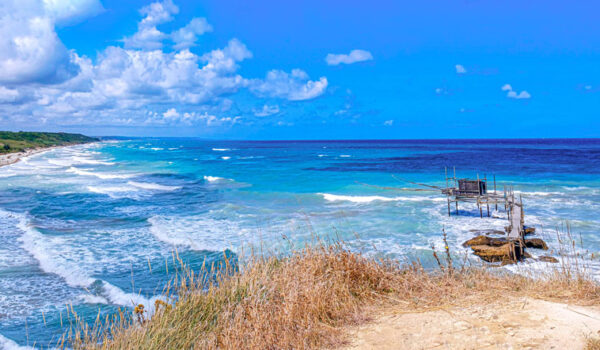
x: 322, y: 155
x: 368, y: 199
x: 157, y: 149
x: 111, y: 189
x: 215, y: 179
x: 52, y: 256
x: 85, y: 160
x: 225, y: 158
x: 104, y: 176
x: 221, y: 149
x: 345, y: 156
x: 197, y: 233
x: 153, y: 186
x: 8, y: 344
x: 93, y: 299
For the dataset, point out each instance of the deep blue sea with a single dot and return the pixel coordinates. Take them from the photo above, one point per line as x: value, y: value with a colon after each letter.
x: 94, y: 227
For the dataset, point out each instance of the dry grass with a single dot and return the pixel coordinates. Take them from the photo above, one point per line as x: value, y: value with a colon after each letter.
x: 303, y: 301
x: 592, y: 344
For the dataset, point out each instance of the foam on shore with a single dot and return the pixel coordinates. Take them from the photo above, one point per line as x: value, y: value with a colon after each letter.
x: 368, y: 199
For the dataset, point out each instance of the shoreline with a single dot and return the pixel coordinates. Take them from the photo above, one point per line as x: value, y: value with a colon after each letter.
x: 15, y: 157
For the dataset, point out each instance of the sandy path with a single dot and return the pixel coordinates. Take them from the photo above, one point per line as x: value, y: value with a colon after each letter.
x: 516, y: 323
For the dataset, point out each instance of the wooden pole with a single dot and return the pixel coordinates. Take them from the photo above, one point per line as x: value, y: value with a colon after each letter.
x: 447, y: 190
x: 496, y: 199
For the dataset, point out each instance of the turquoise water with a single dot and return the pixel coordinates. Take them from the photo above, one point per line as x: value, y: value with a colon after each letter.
x: 95, y: 226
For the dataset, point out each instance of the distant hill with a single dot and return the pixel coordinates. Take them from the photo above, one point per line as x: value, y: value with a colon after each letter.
x: 20, y: 141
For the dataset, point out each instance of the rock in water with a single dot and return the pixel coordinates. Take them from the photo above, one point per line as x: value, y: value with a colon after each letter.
x: 502, y: 253
x: 485, y: 240
x: 536, y: 243
x: 529, y: 230
x: 546, y: 258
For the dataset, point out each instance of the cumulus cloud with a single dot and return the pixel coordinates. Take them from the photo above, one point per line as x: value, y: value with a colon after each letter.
x: 294, y: 86
x: 8, y: 95
x: 522, y: 94
x: 186, y: 37
x: 353, y: 57
x: 513, y: 94
x: 148, y: 37
x: 460, y: 69
x: 137, y: 83
x: 71, y: 11
x: 30, y: 50
x: 266, y: 111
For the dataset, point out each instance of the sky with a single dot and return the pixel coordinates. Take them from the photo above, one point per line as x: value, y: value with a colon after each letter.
x: 235, y: 69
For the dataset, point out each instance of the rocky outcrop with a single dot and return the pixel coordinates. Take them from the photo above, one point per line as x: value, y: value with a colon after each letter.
x: 537, y: 243
x: 485, y: 240
x: 503, y: 253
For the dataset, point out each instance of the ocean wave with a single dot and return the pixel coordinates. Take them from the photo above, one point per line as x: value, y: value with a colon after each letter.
x: 8, y: 344
x: 103, y: 176
x: 221, y: 149
x: 111, y: 189
x: 197, y: 233
x: 70, y: 161
x: 225, y: 158
x: 52, y: 258
x: 368, y: 199
x: 215, y: 179
x: 345, y: 156
x: 153, y: 186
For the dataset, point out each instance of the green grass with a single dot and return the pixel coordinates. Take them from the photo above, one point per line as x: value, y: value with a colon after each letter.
x: 11, y: 142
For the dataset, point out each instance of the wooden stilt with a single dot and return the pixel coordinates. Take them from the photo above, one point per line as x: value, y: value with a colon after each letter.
x: 447, y: 194
x: 496, y: 200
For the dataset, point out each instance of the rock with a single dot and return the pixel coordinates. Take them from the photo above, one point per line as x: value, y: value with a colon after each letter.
x: 488, y: 232
x: 485, y: 240
x: 546, y: 258
x: 536, y: 243
x: 529, y: 230
x: 503, y: 253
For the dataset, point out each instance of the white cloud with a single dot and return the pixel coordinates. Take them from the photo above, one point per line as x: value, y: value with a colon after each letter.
x: 266, y: 111
x: 522, y: 95
x: 460, y: 69
x: 186, y: 37
x: 130, y: 84
x: 171, y: 113
x: 513, y: 94
x: 8, y: 95
x: 294, y: 87
x: 71, y: 11
x: 148, y: 37
x: 30, y: 50
x: 353, y: 57
x: 388, y: 122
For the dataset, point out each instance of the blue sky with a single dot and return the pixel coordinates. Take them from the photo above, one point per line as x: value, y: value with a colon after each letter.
x: 301, y: 70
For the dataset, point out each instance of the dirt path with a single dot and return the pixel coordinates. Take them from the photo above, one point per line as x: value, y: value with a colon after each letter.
x: 516, y: 323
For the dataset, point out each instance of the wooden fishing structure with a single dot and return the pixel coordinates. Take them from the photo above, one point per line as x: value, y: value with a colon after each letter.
x: 506, y: 250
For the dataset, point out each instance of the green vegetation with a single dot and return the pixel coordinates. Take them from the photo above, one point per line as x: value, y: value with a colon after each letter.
x: 20, y: 141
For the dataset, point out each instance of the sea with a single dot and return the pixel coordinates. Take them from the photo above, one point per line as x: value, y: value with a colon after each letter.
x: 99, y: 227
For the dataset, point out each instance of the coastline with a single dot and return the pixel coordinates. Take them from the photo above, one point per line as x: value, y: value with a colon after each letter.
x: 15, y: 157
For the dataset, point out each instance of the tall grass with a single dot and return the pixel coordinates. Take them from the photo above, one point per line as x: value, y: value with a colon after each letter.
x: 305, y: 299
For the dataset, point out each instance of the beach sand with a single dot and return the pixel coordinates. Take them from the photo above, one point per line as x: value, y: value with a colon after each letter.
x: 511, y: 323
x: 11, y: 158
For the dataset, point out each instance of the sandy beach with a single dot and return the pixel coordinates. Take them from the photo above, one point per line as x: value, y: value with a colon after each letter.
x: 12, y: 158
